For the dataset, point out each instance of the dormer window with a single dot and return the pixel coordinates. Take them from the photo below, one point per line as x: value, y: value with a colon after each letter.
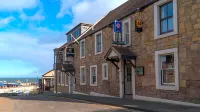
x: 69, y: 38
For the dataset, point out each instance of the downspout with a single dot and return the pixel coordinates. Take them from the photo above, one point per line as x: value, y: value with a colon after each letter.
x: 124, y: 77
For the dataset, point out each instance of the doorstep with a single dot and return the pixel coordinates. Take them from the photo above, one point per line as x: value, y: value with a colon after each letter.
x: 141, y: 105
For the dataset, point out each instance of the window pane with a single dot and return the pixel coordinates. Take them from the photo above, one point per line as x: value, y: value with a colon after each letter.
x: 82, y: 48
x: 163, y: 26
x: 98, y: 43
x: 126, y: 32
x: 163, y: 11
x: 105, y: 71
x: 168, y: 76
x: 83, y: 75
x: 167, y: 61
x: 170, y: 9
x: 93, y: 75
x: 170, y: 24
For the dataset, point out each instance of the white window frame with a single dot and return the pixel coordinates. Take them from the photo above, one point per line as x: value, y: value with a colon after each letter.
x: 66, y: 81
x: 157, y: 19
x: 81, y: 49
x: 91, y: 84
x: 62, y: 79
x: 58, y: 78
x: 100, y: 32
x: 123, y: 38
x: 158, y: 69
x: 103, y: 71
x: 59, y: 75
x: 81, y: 76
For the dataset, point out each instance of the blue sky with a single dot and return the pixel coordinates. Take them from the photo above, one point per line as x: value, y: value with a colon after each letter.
x: 31, y: 29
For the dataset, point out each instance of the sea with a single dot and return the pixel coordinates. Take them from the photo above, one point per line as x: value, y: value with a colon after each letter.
x: 23, y: 80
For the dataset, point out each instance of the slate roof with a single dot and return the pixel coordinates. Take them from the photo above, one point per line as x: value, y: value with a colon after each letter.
x: 122, y: 52
x: 124, y: 10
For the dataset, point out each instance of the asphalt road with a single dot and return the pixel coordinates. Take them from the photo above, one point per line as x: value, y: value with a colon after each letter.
x: 53, y: 104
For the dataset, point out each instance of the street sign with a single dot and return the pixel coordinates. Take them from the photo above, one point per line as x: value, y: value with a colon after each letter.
x: 138, y: 26
x: 70, y: 52
x: 117, y: 26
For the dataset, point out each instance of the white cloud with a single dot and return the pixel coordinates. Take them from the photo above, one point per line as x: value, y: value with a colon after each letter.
x: 38, y: 16
x: 6, y: 21
x: 28, y: 48
x: 90, y: 11
x: 65, y: 7
x: 13, y: 5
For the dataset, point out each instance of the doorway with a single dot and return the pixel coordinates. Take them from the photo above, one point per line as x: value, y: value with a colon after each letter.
x: 128, y: 80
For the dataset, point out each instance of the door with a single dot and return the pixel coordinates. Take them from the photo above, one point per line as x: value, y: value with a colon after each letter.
x: 128, y: 80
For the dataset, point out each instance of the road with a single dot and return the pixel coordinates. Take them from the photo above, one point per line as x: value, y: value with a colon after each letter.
x: 53, y: 104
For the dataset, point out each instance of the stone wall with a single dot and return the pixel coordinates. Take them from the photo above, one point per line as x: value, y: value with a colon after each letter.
x: 63, y: 89
x: 188, y: 44
x: 144, y: 46
x: 108, y: 87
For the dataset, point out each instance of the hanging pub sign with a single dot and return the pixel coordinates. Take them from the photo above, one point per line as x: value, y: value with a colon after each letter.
x: 117, y: 26
x: 138, y: 26
x: 140, y: 70
x: 70, y: 52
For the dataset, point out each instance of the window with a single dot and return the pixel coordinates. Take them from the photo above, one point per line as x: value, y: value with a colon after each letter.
x: 124, y: 38
x: 167, y: 69
x: 66, y: 80
x: 59, y: 78
x: 165, y: 18
x: 78, y: 32
x: 126, y: 32
x: 98, y: 43
x: 69, y: 38
x: 62, y: 78
x: 82, y: 75
x: 105, y: 71
x: 82, y: 49
x: 93, y: 75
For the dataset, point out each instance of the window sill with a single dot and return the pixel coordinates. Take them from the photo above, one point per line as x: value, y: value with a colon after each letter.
x: 166, y: 87
x: 82, y: 57
x: 166, y: 35
x: 93, y: 84
x: 127, y: 45
x: 105, y: 78
x: 82, y: 84
x: 98, y: 53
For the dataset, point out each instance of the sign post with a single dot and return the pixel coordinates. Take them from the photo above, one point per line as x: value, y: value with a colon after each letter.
x: 118, y: 33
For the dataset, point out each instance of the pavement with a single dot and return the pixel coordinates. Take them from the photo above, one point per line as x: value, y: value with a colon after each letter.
x: 132, y: 104
x: 41, y: 103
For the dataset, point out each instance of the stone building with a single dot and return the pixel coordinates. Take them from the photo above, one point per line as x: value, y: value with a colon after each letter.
x: 154, y: 57
x: 64, y: 61
x: 48, y: 81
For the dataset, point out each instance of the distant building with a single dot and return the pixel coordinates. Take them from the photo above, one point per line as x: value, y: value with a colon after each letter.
x: 48, y: 81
